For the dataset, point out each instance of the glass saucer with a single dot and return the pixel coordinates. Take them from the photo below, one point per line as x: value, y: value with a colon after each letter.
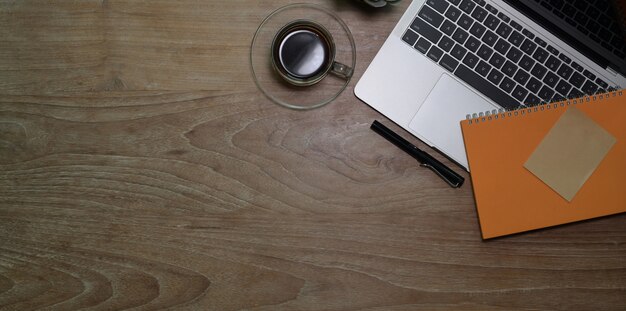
x: 275, y: 87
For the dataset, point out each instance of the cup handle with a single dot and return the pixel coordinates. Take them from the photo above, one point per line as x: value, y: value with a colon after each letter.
x: 341, y: 70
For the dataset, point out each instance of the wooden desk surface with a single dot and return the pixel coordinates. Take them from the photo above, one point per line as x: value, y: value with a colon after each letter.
x: 140, y: 167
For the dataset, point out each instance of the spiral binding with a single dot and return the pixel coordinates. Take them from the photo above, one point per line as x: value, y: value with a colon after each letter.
x: 495, y: 114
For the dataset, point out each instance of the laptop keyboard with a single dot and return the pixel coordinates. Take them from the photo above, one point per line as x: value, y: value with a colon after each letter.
x: 496, y: 55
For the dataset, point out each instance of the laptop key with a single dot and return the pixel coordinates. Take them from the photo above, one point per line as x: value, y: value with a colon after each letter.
x: 521, y: 77
x: 514, y: 54
x: 576, y: 66
x: 528, y: 47
x: 434, y: 53
x: 472, y: 44
x: 589, y: 75
x: 491, y: 9
x: 495, y: 77
x: 426, y: 30
x: 520, y: 93
x: 484, y: 52
x: 516, y: 26
x: 449, y: 63
x: 448, y: 27
x: 540, y: 55
x: 422, y: 45
x: 502, y: 46
x: 553, y: 63
x: 467, y: 6
x: 446, y: 44
x: 460, y: 35
x: 589, y: 88
x: 458, y: 52
x: 534, y: 85
x: 483, y: 68
x: 602, y: 84
x: 539, y: 71
x: 565, y: 72
x: 553, y: 50
x: 563, y: 87
x: 565, y: 59
x: 575, y: 93
x: 558, y: 97
x: 465, y: 22
x: 492, y: 22
x: 470, y: 60
x: 490, y: 38
x: 503, y: 17
x: 431, y: 16
x: 527, y: 63
x: 528, y: 34
x: 577, y: 80
x: 541, y: 43
x: 439, y: 5
x: 453, y: 14
x: 551, y: 79
x: 479, y: 14
x: 504, y: 30
x: 546, y: 93
x: 509, y: 68
x: 410, y: 37
x: 477, y: 30
x: 486, y: 88
x: 496, y: 61
x: 532, y: 100
x: 507, y: 85
x: 516, y: 38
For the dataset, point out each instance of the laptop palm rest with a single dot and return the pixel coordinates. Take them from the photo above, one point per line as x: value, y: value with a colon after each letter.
x: 438, y: 119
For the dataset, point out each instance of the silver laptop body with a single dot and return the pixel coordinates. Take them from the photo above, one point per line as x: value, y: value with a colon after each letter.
x: 428, y: 87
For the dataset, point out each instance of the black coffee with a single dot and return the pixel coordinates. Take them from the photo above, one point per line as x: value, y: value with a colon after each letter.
x: 303, y: 52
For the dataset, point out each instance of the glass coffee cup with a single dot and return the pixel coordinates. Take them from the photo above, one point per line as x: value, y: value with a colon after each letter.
x: 303, y: 53
x: 302, y: 56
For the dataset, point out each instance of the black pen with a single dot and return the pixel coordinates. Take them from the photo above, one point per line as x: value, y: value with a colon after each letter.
x: 453, y: 179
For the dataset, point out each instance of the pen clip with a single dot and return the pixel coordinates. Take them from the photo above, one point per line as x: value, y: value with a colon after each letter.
x: 453, y: 184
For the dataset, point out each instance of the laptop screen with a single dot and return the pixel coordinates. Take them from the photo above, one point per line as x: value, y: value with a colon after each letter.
x: 593, y: 27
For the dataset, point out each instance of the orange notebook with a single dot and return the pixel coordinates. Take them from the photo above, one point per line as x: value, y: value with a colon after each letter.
x: 510, y: 198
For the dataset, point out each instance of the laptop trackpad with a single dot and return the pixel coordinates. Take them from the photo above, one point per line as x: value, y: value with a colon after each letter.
x: 438, y: 119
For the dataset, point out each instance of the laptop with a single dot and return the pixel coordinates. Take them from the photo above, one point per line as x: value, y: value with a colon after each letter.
x: 447, y: 59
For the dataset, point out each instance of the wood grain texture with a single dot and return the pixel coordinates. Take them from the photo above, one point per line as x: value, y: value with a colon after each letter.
x: 140, y: 168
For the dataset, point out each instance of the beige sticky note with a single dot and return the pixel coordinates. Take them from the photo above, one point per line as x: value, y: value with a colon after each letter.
x: 570, y: 153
